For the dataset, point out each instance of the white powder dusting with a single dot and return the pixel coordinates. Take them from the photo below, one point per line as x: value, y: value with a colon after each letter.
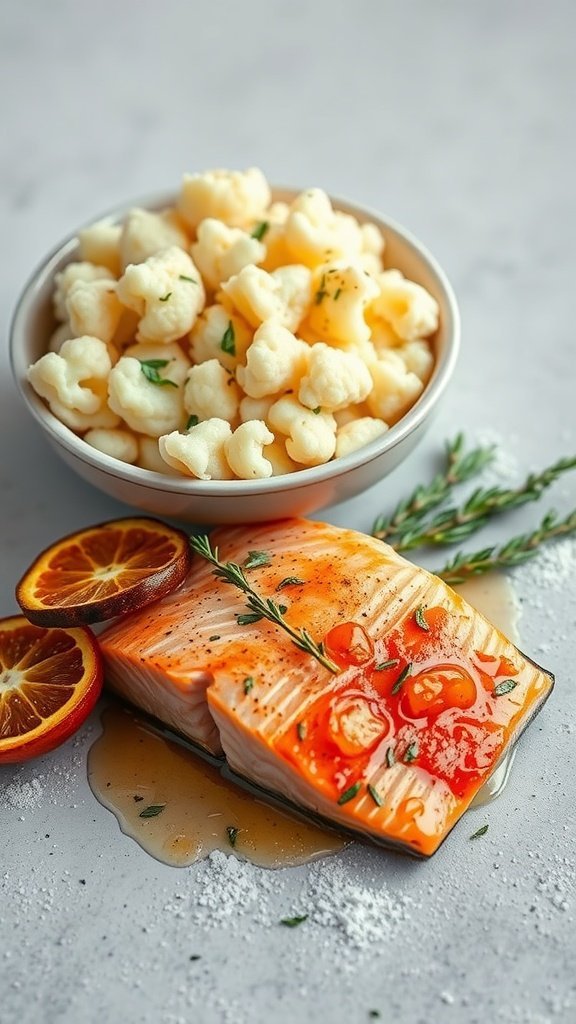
x: 504, y: 468
x: 225, y: 890
x: 362, y: 914
x: 22, y: 795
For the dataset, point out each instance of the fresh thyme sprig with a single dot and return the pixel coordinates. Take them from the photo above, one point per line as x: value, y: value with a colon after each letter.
x: 262, y: 607
x: 455, y: 523
x: 409, y: 513
x: 516, y: 551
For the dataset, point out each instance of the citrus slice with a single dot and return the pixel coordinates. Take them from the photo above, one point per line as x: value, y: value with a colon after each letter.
x: 103, y: 571
x: 50, y: 680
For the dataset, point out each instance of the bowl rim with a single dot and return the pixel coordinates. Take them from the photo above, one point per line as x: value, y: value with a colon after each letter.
x: 297, y: 480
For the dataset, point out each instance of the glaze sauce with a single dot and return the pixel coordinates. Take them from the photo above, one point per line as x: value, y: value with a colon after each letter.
x: 133, y: 770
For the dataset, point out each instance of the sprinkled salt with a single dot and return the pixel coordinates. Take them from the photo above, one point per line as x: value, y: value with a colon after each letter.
x: 22, y: 795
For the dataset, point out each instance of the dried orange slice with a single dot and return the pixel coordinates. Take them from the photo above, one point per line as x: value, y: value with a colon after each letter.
x: 104, y: 571
x: 50, y: 680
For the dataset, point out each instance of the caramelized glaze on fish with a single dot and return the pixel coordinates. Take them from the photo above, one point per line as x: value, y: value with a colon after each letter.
x: 396, y: 744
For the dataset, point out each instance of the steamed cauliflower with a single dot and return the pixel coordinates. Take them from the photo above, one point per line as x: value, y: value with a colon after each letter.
x: 99, y: 243
x: 342, y: 294
x: 275, y: 361
x: 68, y: 277
x: 244, y: 451
x: 395, y: 387
x: 409, y: 308
x: 334, y: 379
x: 357, y: 433
x: 145, y: 234
x: 284, y: 295
x: 119, y: 444
x: 135, y: 392
x: 211, y: 391
x: 311, y: 435
x: 221, y: 252
x: 167, y: 293
x: 73, y: 382
x: 236, y: 197
x: 201, y: 452
x: 219, y: 334
x: 308, y: 350
x: 93, y: 308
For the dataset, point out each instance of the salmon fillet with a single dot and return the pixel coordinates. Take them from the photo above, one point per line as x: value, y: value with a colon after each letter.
x: 395, y: 745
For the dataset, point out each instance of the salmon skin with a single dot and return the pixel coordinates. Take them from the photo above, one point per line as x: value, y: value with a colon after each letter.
x: 394, y: 746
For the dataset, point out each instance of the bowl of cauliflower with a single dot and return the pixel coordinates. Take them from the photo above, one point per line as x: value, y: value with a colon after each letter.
x: 235, y: 352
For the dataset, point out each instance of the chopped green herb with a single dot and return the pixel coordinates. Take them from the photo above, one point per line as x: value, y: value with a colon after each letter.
x: 391, y: 663
x: 282, y: 608
x: 321, y: 293
x: 164, y: 298
x: 375, y: 796
x: 232, y: 834
x: 150, y: 369
x: 479, y: 832
x: 138, y: 799
x: 192, y: 421
x: 256, y: 559
x: 248, y: 684
x: 228, y: 343
x: 350, y: 793
x: 184, y: 277
x: 290, y: 581
x: 504, y: 687
x: 195, y: 956
x: 152, y: 811
x: 216, y: 636
x: 293, y: 922
x: 246, y: 619
x: 374, y: 1014
x: 337, y: 294
x: 390, y: 757
x: 411, y: 752
x: 301, y: 729
x: 260, y: 230
x: 317, y: 410
x: 402, y: 677
x: 420, y: 620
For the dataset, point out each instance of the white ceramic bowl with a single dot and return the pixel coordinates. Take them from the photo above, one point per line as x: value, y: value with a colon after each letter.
x: 239, y: 501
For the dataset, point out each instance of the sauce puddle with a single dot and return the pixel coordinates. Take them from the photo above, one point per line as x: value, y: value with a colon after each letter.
x: 133, y: 771
x: 494, y: 596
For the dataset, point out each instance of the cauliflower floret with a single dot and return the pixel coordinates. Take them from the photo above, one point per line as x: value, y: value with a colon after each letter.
x: 166, y: 291
x: 417, y: 357
x: 211, y: 392
x: 409, y: 308
x: 342, y: 293
x: 149, y: 457
x: 382, y: 334
x: 351, y: 413
x: 145, y: 234
x: 275, y: 361
x: 316, y: 234
x: 176, y: 364
x: 221, y: 252
x: 395, y: 388
x: 273, y: 238
x: 219, y: 334
x: 99, y: 244
x: 72, y: 273
x: 147, y: 407
x: 201, y: 451
x: 284, y: 295
x: 237, y: 197
x: 372, y: 248
x: 73, y: 382
x: 256, y: 408
x: 334, y: 379
x: 244, y: 451
x: 94, y: 308
x: 357, y: 433
x: 119, y: 444
x: 279, y: 459
x: 311, y: 436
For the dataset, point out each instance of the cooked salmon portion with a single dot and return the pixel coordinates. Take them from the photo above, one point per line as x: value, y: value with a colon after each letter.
x: 426, y: 699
